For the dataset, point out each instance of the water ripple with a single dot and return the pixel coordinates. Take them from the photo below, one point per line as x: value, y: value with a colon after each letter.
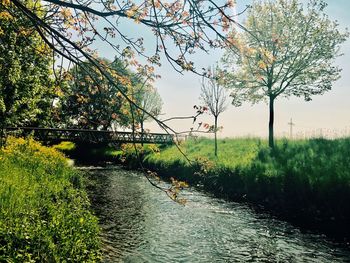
x: 140, y: 224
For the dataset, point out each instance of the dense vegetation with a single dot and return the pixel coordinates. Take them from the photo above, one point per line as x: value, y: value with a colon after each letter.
x: 307, y: 181
x: 45, y: 213
x: 26, y: 81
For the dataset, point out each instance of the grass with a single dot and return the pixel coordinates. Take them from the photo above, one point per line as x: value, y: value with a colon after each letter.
x: 232, y: 152
x: 89, y: 153
x: 44, y: 208
x: 65, y: 146
x: 307, y: 181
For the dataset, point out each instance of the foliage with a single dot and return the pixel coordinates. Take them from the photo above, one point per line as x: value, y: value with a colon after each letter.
x: 132, y: 152
x: 26, y: 86
x: 90, y: 101
x: 65, y: 146
x: 288, y: 50
x: 45, y: 213
x: 177, y: 28
x: 186, y: 25
x: 89, y: 153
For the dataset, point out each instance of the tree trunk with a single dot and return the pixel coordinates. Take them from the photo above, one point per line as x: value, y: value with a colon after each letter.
x: 271, y: 120
x: 141, y: 133
x: 215, y: 136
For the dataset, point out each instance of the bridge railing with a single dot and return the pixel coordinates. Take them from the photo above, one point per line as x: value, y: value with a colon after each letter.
x: 86, y: 135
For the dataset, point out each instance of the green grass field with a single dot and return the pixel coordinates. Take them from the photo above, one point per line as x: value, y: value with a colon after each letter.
x: 316, y: 159
x: 232, y: 152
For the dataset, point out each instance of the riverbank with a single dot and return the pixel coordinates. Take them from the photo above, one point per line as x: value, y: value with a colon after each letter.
x: 306, y: 182
x: 45, y: 212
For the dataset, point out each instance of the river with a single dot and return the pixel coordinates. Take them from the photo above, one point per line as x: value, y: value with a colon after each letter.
x: 141, y: 224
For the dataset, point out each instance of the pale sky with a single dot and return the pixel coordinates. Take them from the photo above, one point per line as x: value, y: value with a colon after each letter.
x: 330, y: 112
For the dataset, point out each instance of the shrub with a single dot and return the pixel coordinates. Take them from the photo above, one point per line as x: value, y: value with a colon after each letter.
x: 45, y: 213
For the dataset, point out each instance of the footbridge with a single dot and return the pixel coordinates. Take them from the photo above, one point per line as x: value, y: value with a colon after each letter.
x: 87, y: 135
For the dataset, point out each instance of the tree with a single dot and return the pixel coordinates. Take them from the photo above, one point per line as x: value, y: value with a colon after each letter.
x: 91, y: 102
x: 70, y: 27
x: 180, y: 28
x: 214, y: 97
x: 26, y: 85
x: 149, y: 100
x: 287, y: 51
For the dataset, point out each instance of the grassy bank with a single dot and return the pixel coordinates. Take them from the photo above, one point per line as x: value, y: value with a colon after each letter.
x: 45, y: 213
x: 306, y: 181
x: 86, y: 153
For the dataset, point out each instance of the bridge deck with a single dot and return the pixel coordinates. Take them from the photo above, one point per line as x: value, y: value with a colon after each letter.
x: 85, y: 135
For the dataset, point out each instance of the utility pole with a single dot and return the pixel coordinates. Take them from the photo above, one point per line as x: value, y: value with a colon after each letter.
x: 291, y: 124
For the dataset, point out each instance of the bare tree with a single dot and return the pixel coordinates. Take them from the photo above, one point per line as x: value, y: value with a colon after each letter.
x: 214, y: 97
x: 149, y: 99
x: 151, y: 102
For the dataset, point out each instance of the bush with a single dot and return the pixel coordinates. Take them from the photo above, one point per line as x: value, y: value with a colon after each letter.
x: 45, y: 213
x: 133, y: 154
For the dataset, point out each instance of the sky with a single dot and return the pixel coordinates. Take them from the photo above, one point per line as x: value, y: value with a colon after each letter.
x: 328, y: 114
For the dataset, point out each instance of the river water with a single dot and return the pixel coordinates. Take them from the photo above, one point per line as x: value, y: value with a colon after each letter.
x: 141, y: 224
